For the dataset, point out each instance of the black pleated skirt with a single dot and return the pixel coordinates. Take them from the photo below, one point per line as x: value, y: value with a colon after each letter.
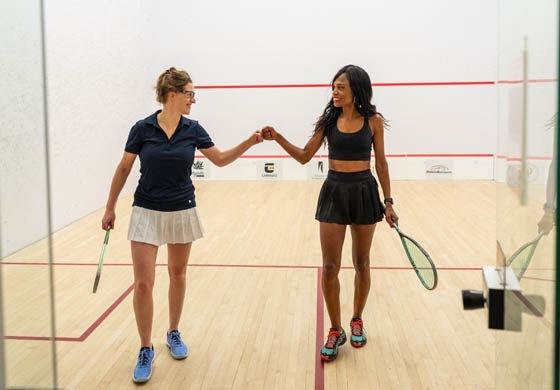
x: 350, y: 198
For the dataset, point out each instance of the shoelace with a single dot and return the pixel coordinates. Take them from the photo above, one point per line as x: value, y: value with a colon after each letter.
x: 332, y: 338
x: 175, y: 338
x: 144, y: 359
x: 357, y: 327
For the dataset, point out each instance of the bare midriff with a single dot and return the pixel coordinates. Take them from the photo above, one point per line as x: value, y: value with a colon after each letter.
x: 348, y: 166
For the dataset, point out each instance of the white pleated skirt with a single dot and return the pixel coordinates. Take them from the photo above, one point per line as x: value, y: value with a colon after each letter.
x: 164, y: 227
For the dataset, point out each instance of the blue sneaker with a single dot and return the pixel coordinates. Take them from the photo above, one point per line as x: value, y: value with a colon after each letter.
x: 143, y: 370
x: 176, y: 346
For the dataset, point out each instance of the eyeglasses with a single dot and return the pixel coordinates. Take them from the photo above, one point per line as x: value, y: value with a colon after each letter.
x: 189, y: 94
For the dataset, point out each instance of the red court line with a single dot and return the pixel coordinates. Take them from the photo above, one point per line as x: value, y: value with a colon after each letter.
x: 251, y: 266
x: 319, y: 372
x: 447, y: 155
x: 387, y: 155
x: 403, y: 84
x: 436, y: 83
x: 248, y: 266
x: 72, y: 264
x: 530, y: 81
x: 533, y: 309
x: 88, y: 331
x: 165, y: 264
x: 319, y: 365
x: 270, y: 156
x: 438, y: 268
x: 527, y: 303
x: 407, y: 155
x: 106, y: 314
x: 542, y: 269
x: 409, y: 84
x: 262, y: 86
x: 34, y: 338
x: 541, y: 279
x: 528, y: 158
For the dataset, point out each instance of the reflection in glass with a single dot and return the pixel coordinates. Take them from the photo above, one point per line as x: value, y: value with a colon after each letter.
x: 26, y: 289
x: 526, y: 189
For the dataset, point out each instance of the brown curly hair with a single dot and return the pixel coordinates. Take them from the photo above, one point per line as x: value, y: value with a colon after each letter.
x: 172, y: 80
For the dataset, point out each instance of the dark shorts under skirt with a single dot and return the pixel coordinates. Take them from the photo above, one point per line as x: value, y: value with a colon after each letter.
x: 350, y: 198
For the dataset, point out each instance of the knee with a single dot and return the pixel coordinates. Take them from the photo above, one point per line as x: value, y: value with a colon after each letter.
x: 178, y: 276
x: 361, y: 265
x: 330, y: 271
x: 144, y: 286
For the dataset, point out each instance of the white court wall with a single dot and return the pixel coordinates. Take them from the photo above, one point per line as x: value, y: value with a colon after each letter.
x: 23, y: 175
x: 307, y: 42
x: 104, y: 58
x: 98, y: 84
x: 302, y: 43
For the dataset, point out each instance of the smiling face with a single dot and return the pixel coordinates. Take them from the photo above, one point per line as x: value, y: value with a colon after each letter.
x: 183, y: 100
x: 341, y: 92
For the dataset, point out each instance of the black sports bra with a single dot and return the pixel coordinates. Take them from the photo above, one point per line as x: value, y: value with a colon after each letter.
x: 354, y: 146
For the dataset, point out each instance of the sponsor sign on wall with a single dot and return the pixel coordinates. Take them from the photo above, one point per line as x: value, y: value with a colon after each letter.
x: 400, y: 169
x: 439, y: 169
x: 317, y: 169
x: 269, y: 170
x: 200, y: 169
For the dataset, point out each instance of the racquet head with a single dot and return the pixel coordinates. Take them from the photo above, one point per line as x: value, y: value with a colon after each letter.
x: 520, y: 259
x: 100, y: 265
x: 420, y: 260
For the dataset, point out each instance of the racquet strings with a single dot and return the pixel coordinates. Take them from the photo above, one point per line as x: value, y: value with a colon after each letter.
x: 520, y: 261
x: 421, y: 263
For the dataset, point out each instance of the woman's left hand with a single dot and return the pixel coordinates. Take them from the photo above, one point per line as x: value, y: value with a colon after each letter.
x: 390, y: 216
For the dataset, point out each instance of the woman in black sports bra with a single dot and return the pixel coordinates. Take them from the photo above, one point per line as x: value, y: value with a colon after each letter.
x: 350, y: 125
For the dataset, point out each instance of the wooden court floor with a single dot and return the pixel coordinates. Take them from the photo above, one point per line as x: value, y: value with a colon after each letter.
x: 254, y: 316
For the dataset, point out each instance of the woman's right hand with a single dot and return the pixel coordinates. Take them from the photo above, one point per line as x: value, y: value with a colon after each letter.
x: 547, y: 221
x: 390, y: 215
x: 256, y: 138
x: 269, y: 134
x: 108, y: 220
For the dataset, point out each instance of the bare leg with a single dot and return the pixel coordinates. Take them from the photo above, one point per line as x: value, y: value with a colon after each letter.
x: 362, y: 236
x: 144, y: 264
x: 178, y: 257
x: 332, y: 238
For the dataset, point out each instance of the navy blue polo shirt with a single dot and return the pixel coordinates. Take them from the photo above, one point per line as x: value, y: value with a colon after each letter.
x: 165, y: 163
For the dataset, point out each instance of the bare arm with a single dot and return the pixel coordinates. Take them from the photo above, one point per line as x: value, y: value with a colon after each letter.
x: 119, y: 178
x: 381, y: 167
x: 226, y: 157
x: 300, y: 155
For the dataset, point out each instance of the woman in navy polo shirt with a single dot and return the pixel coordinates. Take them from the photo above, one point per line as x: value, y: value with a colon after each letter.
x: 164, y: 208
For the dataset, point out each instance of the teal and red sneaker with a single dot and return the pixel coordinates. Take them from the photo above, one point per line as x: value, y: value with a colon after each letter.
x: 335, y: 339
x: 358, y: 338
